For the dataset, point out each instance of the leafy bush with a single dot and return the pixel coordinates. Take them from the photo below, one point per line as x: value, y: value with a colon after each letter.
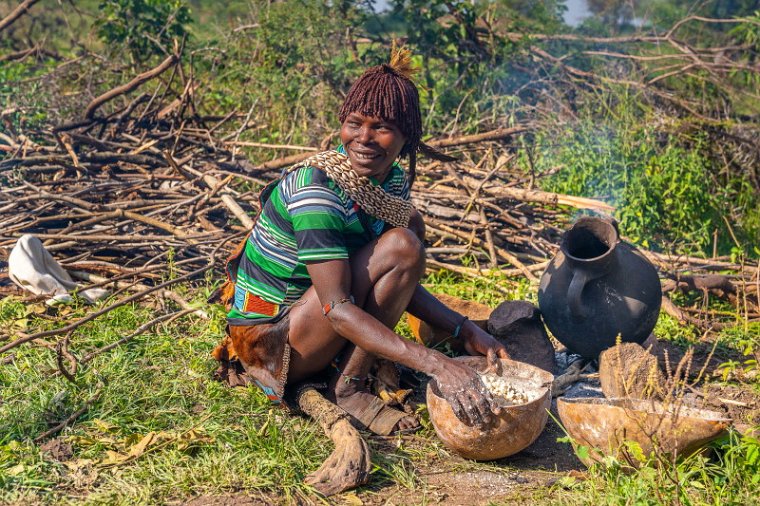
x: 144, y: 27
x: 293, y: 66
x: 661, y: 185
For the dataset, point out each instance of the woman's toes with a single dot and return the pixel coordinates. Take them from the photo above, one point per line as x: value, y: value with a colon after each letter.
x: 408, y: 423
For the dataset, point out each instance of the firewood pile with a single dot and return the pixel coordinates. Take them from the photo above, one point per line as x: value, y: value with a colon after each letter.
x: 152, y: 190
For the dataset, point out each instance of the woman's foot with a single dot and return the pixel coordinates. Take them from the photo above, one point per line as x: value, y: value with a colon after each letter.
x: 370, y: 410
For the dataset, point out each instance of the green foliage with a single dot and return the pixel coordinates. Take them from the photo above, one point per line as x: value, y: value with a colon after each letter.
x: 31, y: 114
x: 613, y: 16
x: 666, y: 200
x: 745, y: 338
x: 748, y: 33
x: 660, y: 185
x: 667, y: 12
x: 292, y: 68
x: 143, y: 27
x: 468, y: 71
x: 731, y: 477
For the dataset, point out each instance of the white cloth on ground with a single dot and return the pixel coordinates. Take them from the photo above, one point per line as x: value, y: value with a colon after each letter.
x: 33, y: 268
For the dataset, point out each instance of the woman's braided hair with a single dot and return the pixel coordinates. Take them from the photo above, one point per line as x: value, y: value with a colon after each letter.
x: 387, y: 91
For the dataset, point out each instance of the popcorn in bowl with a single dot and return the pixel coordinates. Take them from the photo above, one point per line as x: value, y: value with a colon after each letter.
x: 504, y: 393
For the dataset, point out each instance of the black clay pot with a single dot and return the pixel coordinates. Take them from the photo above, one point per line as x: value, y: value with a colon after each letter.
x: 597, y: 288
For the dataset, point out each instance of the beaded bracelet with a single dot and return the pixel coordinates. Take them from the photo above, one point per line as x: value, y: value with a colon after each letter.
x: 458, y: 328
x: 331, y: 305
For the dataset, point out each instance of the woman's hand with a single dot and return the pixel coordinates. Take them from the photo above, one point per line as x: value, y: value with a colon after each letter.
x: 479, y: 342
x: 463, y: 389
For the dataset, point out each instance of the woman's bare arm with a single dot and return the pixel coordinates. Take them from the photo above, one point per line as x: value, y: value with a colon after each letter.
x: 332, y: 281
x: 429, y: 309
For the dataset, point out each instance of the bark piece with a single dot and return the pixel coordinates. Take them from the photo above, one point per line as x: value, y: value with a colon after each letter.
x: 57, y: 449
x: 628, y: 370
x: 518, y: 325
x: 349, y: 464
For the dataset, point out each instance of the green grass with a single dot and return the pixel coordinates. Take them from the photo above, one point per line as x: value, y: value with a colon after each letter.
x: 159, y: 382
x: 729, y: 477
x: 213, y: 440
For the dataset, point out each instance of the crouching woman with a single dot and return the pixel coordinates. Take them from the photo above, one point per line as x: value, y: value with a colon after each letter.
x: 336, y: 257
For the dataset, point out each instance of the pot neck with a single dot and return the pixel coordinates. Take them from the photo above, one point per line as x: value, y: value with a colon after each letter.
x: 591, y: 245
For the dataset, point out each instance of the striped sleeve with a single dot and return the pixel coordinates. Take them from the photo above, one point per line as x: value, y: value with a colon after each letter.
x: 318, y: 215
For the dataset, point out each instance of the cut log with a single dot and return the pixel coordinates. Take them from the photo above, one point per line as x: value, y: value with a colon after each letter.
x: 349, y: 464
x: 629, y: 370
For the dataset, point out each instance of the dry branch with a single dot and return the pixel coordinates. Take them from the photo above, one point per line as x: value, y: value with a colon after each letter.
x: 89, y: 112
x: 98, y: 194
x: 493, y: 135
x: 549, y: 198
x: 16, y: 13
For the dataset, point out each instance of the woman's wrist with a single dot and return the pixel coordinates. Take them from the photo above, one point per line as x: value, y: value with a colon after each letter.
x: 457, y: 332
x: 469, y: 328
x: 435, y: 363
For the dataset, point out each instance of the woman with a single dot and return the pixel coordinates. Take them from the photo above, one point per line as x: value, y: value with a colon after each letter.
x: 333, y: 262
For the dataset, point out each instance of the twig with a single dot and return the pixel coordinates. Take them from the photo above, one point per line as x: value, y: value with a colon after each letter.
x: 16, y: 13
x: 89, y: 112
x: 76, y: 414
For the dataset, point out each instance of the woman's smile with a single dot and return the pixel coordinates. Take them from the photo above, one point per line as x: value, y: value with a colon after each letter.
x: 361, y: 155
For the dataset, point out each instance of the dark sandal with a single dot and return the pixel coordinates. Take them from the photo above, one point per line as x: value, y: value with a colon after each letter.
x: 381, y: 419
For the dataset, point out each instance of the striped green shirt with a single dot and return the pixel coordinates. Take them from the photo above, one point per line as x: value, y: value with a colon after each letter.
x: 307, y: 218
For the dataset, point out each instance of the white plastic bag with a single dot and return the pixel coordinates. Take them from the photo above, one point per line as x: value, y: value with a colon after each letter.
x: 34, y: 269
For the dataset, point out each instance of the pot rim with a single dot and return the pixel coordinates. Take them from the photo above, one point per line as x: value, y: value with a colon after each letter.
x: 546, y: 377
x: 582, y: 224
x: 648, y: 406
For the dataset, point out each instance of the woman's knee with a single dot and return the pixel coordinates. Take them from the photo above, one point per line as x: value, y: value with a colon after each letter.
x: 403, y: 248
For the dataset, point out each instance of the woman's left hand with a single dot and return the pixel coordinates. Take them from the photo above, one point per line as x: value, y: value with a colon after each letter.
x: 478, y: 342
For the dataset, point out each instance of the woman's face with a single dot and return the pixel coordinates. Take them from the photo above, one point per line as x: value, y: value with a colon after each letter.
x: 372, y: 144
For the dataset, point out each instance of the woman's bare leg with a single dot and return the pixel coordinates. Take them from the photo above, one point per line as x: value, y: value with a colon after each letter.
x: 384, y: 276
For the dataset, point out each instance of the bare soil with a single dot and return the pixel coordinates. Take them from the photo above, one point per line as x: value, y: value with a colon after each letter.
x: 527, y: 476
x: 239, y: 499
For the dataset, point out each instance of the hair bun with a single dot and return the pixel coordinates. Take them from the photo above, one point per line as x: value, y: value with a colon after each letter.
x: 401, y: 61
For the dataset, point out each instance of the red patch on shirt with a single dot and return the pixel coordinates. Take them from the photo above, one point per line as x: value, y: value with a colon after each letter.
x: 255, y: 304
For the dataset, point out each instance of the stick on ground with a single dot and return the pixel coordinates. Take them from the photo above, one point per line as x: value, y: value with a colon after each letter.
x: 349, y: 464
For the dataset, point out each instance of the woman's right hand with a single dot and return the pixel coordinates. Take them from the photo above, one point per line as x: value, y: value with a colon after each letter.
x: 463, y: 389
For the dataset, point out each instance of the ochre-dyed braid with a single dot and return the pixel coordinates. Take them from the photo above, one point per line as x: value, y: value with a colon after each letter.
x: 372, y: 199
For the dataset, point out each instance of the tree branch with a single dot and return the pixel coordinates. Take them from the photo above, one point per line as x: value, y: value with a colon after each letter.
x: 16, y: 13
